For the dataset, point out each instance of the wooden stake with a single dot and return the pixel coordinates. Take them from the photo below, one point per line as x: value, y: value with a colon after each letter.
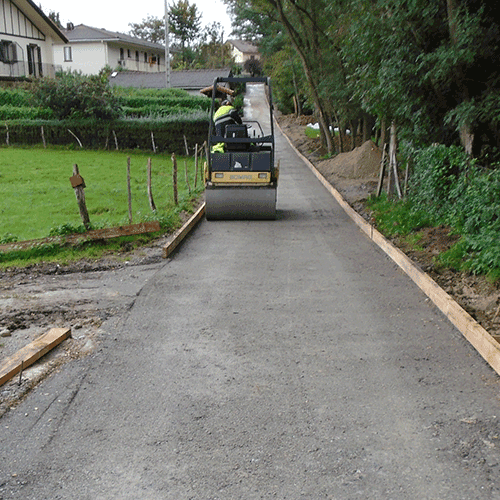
x: 79, y: 185
x: 195, y: 166
x: 382, y: 170
x: 186, y: 176
x: 186, y: 145
x: 129, y: 191
x: 116, y: 140
x: 79, y: 142
x: 153, y: 142
x: 43, y: 139
x: 407, y: 174
x: 150, y: 192
x: 7, y: 136
x: 205, y: 145
x: 393, y: 163
x: 174, y: 178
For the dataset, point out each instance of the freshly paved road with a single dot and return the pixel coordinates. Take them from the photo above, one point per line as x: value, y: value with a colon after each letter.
x: 284, y: 359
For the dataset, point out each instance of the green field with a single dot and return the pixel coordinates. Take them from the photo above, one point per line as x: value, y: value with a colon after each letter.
x: 36, y: 196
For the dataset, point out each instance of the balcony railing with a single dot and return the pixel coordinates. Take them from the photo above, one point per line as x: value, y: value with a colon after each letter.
x: 134, y: 65
x: 23, y: 69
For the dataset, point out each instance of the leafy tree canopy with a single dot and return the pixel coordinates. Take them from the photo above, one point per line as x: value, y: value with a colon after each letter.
x: 151, y: 29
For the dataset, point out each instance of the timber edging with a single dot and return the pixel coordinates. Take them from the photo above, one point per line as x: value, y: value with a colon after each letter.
x: 180, y: 234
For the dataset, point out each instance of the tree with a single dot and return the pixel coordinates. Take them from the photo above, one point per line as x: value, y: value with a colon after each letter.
x: 184, y: 22
x: 211, y: 50
x: 151, y: 29
x: 56, y: 19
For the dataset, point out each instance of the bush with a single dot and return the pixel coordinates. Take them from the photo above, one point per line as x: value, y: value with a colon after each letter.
x: 14, y: 97
x: 9, y: 112
x: 73, y: 95
x: 447, y: 187
x: 435, y: 173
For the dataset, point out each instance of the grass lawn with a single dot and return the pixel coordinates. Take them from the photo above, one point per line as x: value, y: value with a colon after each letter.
x: 36, y: 194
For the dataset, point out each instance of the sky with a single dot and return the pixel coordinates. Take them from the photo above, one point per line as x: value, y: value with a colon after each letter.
x: 116, y: 16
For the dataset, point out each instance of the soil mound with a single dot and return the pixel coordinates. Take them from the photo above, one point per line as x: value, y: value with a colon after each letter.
x: 360, y: 163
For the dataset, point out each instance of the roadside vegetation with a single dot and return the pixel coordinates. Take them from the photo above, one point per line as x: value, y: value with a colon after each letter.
x: 37, y: 200
x: 52, y: 124
x: 424, y: 70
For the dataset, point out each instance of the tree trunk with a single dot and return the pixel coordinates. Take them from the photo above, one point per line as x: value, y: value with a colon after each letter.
x: 308, y: 73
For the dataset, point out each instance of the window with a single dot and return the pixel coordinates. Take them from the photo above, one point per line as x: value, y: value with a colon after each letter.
x: 122, y: 54
x: 137, y: 55
x: 8, y: 52
x: 128, y: 53
x: 145, y: 57
x: 68, y: 56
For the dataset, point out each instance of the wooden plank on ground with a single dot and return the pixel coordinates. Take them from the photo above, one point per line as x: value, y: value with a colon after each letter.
x: 96, y: 234
x: 32, y: 352
x: 183, y: 232
x: 484, y: 343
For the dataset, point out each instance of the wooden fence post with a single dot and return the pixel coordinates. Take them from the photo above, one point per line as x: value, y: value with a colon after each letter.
x: 186, y: 176
x: 7, y: 136
x: 79, y: 185
x: 150, y: 192
x: 43, y: 139
x: 174, y: 179
x: 153, y: 142
x: 195, y: 165
x: 129, y: 191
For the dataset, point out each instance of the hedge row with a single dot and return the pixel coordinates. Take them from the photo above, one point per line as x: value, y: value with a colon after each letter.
x: 132, y: 91
x: 188, y: 102
x: 14, y: 97
x: 168, y: 133
x: 153, y: 111
x: 10, y: 112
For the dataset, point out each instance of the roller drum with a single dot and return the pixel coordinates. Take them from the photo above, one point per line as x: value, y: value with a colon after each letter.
x: 240, y: 203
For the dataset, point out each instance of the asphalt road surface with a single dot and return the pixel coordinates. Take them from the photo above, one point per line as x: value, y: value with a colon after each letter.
x: 285, y: 359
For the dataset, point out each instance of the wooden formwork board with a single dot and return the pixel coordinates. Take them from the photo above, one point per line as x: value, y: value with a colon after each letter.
x: 484, y: 343
x: 96, y: 234
x: 32, y: 352
x: 183, y: 231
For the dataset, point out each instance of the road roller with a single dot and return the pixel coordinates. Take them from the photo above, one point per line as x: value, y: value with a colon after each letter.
x: 241, y: 178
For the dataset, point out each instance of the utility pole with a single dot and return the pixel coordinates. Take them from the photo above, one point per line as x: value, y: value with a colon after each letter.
x: 167, y: 48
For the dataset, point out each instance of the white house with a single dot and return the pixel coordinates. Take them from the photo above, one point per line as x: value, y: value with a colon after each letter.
x: 90, y: 49
x: 242, y: 51
x: 26, y: 39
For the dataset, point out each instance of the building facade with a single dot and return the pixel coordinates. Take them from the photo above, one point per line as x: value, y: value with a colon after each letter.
x: 26, y: 39
x: 90, y: 49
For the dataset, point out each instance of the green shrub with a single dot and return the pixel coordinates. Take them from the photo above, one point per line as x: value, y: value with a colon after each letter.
x: 10, y: 112
x: 449, y: 188
x: 73, y: 95
x: 436, y: 170
x: 14, y: 97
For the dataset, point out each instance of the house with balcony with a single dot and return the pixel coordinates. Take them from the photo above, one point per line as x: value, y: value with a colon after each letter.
x: 26, y: 39
x: 89, y: 49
